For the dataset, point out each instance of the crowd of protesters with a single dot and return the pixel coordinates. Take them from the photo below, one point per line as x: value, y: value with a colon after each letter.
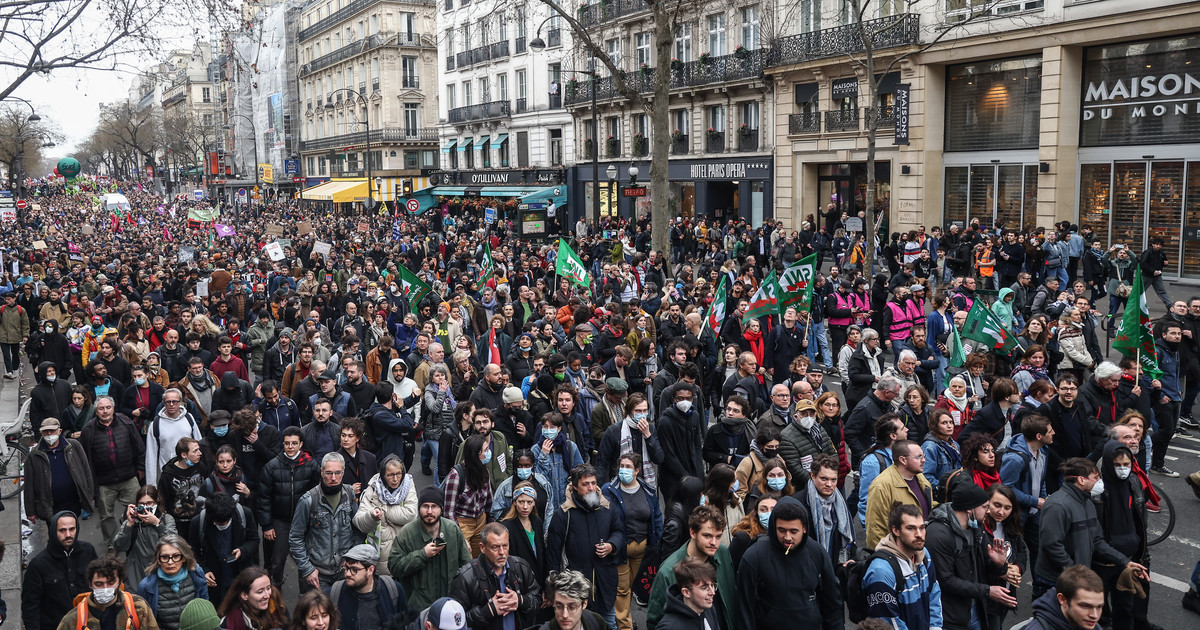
x: 584, y: 448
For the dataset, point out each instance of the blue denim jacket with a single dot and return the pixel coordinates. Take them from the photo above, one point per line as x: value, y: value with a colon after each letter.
x: 1168, y: 362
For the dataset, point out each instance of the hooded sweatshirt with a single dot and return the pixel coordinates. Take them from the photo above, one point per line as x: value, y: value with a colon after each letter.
x: 914, y: 605
x: 1003, y: 308
x: 49, y: 400
x: 53, y: 578
x: 1048, y: 615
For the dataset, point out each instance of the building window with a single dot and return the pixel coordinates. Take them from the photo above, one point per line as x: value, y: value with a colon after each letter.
x: 522, y: 149
x: 412, y: 160
x: 450, y: 96
x: 503, y: 22
x: 993, y: 105
x: 324, y: 166
x: 641, y: 124
x: 466, y: 86
x: 502, y: 84
x: 206, y: 95
x: 374, y: 24
x: 716, y: 118
x: 485, y: 90
x: 409, y: 72
x: 641, y: 46
x: 614, y: 51
x: 522, y: 85
x: 680, y: 122
x: 408, y: 23
x: 683, y: 42
x: 411, y: 120
x: 810, y: 15
x: 716, y: 35
x: 556, y: 147
x: 614, y: 128
x: 751, y: 33
x: 750, y: 114
x: 465, y: 42
x: 312, y: 165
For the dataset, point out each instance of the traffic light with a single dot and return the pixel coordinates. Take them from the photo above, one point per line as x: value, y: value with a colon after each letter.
x: 406, y: 186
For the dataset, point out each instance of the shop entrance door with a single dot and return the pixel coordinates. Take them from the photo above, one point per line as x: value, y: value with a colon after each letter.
x: 834, y: 189
x: 1147, y: 202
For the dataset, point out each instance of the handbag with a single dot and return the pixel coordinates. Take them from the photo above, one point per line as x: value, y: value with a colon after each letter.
x: 644, y: 579
x: 1123, y: 290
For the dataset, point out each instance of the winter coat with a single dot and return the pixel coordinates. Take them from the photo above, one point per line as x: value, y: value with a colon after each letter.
x: 616, y: 499
x: 861, y: 378
x: 964, y: 570
x: 395, y: 517
x: 682, y: 440
x: 49, y: 400
x: 258, y: 338
x: 138, y: 543
x: 1016, y: 472
x: 888, y: 488
x: 556, y: 467
x: 56, y: 350
x: 321, y: 534
x: 39, y: 482
x: 678, y: 616
x: 14, y: 326
x: 1071, y: 534
x: 129, y: 400
x: 476, y: 583
x: 389, y: 428
x: 798, y: 448
x: 726, y: 586
x: 151, y: 587
x: 141, y: 610
x: 798, y: 589
x: 860, y: 426
x: 120, y: 463
x: 782, y: 345
x: 53, y: 579
x: 180, y: 491
x: 244, y: 535
x: 574, y: 531
x: 1073, y: 345
x: 425, y: 579
x: 282, y: 483
x: 610, y: 450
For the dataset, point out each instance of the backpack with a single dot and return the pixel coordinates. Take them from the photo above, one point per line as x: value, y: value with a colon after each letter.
x: 240, y: 514
x: 854, y: 593
x: 943, y: 490
x: 335, y: 591
x: 81, y: 613
x: 155, y: 425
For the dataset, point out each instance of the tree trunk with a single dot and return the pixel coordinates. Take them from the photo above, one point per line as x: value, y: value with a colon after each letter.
x: 660, y: 125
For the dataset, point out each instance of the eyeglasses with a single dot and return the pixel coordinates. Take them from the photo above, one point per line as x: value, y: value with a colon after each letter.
x: 572, y: 608
x: 171, y: 402
x: 333, y: 473
x: 351, y: 570
x: 170, y: 558
x: 394, y: 475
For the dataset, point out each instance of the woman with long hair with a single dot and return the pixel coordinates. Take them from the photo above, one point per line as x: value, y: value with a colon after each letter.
x: 315, y: 611
x: 139, y: 531
x: 764, y: 447
x: 1031, y: 368
x: 227, y: 477
x: 888, y: 429
x: 1003, y: 523
x: 754, y: 341
x: 753, y: 525
x: 720, y: 486
x: 776, y: 479
x: 172, y: 580
x: 469, y: 491
x: 254, y: 603
x: 77, y: 414
x: 942, y: 455
x: 526, y: 529
x: 388, y: 503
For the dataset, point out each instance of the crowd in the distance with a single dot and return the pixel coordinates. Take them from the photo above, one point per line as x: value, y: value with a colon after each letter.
x: 583, y: 450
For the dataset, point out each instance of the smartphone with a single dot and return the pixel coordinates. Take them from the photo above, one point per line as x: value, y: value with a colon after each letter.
x: 440, y: 541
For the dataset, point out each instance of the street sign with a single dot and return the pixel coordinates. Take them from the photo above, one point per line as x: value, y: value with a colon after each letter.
x: 413, y: 205
x: 199, y: 194
x: 242, y: 193
x: 22, y: 204
x: 489, y: 215
x: 633, y: 191
x: 291, y: 167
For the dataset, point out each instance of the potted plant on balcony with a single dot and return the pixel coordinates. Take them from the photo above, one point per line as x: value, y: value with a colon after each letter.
x: 676, y: 64
x: 611, y: 147
x: 713, y: 133
x: 572, y: 87
x: 639, y: 144
x: 676, y: 136
x: 745, y: 130
x: 589, y: 146
x: 741, y: 51
x: 644, y: 69
x: 705, y: 59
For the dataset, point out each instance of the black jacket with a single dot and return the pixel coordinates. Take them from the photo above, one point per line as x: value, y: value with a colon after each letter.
x: 276, y: 362
x: 682, y: 440
x: 125, y: 459
x: 860, y: 375
x: 49, y: 400
x: 575, y: 530
x: 534, y: 555
x: 282, y: 484
x: 476, y: 582
x: 56, y: 350
x: 233, y: 394
x: 1071, y: 534
x: 54, y: 577
x: 990, y: 421
x: 678, y: 616
x: 860, y: 426
x: 129, y: 401
x: 244, y: 535
x: 964, y: 570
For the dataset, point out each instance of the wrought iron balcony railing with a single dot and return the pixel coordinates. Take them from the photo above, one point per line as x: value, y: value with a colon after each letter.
x: 480, y: 111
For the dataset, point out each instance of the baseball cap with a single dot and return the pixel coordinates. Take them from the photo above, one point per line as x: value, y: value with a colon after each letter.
x: 805, y: 404
x: 49, y: 424
x: 447, y: 614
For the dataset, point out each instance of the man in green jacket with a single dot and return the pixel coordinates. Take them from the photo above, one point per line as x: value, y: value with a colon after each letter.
x: 259, y: 336
x: 428, y: 552
x: 705, y: 526
x: 14, y: 330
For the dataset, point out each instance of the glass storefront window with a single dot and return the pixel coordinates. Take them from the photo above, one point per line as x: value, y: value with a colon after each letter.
x: 683, y: 199
x: 991, y: 194
x: 993, y: 105
x: 1191, y: 218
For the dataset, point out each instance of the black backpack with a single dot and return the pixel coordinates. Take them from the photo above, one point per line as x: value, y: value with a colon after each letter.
x: 854, y: 593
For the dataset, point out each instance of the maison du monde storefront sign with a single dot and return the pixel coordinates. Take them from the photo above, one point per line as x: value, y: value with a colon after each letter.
x: 1142, y: 93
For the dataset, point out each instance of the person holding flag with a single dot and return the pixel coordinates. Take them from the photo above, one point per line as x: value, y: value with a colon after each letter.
x: 568, y: 265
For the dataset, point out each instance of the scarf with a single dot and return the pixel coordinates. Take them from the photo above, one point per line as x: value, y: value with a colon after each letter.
x: 173, y: 581
x: 985, y: 479
x: 493, y: 347
x: 225, y: 482
x: 756, y: 344
x: 200, y: 383
x: 831, y: 514
x: 389, y: 496
x: 1038, y: 373
x: 649, y: 474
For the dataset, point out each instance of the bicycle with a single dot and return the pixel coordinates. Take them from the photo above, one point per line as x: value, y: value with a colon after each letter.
x: 13, y: 454
x: 1160, y: 524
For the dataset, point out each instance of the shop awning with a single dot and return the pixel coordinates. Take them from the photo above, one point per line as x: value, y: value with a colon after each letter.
x: 338, y: 191
x: 557, y: 194
x: 449, y: 146
x: 387, y: 192
x: 465, y: 145
x: 482, y: 143
x: 500, y: 139
x: 450, y: 191
x: 505, y: 191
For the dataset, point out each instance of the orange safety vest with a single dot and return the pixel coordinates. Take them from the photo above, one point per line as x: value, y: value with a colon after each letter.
x: 131, y: 618
x: 985, y: 262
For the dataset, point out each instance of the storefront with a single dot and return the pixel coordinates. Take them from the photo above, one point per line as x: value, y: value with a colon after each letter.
x: 711, y: 189
x: 508, y: 191
x: 992, y: 124
x: 1139, y: 155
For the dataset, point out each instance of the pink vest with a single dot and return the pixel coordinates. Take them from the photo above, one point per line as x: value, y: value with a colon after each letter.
x: 844, y: 302
x: 901, y: 322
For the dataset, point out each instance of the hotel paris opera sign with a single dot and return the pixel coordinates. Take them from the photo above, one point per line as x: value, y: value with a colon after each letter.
x: 1142, y: 93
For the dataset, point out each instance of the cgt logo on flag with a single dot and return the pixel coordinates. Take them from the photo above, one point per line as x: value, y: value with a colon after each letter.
x: 574, y: 271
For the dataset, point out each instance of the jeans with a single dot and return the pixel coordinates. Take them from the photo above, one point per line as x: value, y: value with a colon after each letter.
x: 1061, y: 274
x: 1115, y: 303
x: 1167, y: 416
x: 12, y: 356
x: 1157, y: 281
x: 939, y: 376
x: 111, y: 506
x: 429, y: 457
x: 1196, y: 578
x: 818, y: 342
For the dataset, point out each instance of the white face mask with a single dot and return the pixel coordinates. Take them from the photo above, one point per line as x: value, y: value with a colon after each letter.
x: 224, y: 527
x: 1098, y: 489
x: 104, y: 596
x: 51, y: 440
x: 1123, y: 471
x: 50, y: 378
x: 684, y: 405
x: 807, y: 422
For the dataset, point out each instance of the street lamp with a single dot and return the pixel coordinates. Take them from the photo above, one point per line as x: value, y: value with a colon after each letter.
x: 254, y: 136
x: 329, y: 106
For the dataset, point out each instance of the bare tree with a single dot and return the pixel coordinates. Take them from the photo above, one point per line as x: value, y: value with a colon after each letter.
x: 22, y: 140
x: 137, y: 130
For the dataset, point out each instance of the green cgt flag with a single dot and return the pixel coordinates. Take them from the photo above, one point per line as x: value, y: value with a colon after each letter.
x: 412, y: 287
x: 958, y: 356
x: 568, y: 265
x: 765, y: 301
x: 796, y: 284
x: 983, y: 326
x: 1134, y: 337
x: 489, y: 265
x: 716, y: 311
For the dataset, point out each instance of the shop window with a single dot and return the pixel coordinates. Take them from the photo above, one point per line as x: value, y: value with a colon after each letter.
x: 991, y: 194
x: 1191, y: 218
x: 993, y: 105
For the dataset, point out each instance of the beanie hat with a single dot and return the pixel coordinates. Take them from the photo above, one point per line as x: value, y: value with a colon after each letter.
x: 967, y: 496
x: 199, y: 614
x: 432, y: 495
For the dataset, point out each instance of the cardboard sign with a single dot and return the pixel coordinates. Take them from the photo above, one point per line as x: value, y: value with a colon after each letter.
x: 364, y: 226
x: 304, y: 227
x: 274, y: 251
x: 202, y: 288
x: 88, y: 230
x: 53, y: 230
x: 186, y: 254
x: 322, y: 248
x: 39, y: 244
x: 274, y: 229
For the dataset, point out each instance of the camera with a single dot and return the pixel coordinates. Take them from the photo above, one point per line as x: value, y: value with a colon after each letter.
x: 141, y: 509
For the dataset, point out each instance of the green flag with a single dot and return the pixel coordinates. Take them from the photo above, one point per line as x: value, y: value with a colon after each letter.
x: 489, y: 265
x: 796, y: 284
x: 983, y: 326
x: 1134, y: 337
x: 716, y: 311
x: 203, y: 215
x: 958, y: 356
x: 765, y: 300
x: 412, y: 287
x: 568, y: 265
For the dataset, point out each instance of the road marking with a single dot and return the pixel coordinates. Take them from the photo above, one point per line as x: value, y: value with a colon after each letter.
x: 1185, y: 450
x: 1171, y: 583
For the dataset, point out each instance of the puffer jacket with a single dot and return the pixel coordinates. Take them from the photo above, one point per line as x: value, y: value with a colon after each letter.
x: 282, y: 482
x: 39, y: 486
x: 798, y: 448
x: 394, y: 516
x: 320, y: 534
x: 1073, y: 345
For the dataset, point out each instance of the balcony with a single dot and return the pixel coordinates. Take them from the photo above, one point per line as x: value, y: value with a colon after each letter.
x: 608, y: 10
x: 350, y: 50
x: 747, y: 140
x: 554, y: 38
x: 410, y: 40
x: 841, y: 120
x: 362, y: 87
x: 887, y: 117
x: 556, y: 101
x: 746, y: 65
x: 482, y: 111
x: 714, y: 142
x: 808, y: 122
x: 410, y: 81
x: 521, y: 105
x: 612, y: 147
x: 449, y: 63
x: 175, y: 99
x: 641, y: 145
x: 358, y: 139
x: 498, y: 50
x: 680, y: 145
x: 346, y: 12
x: 375, y: 84
x: 521, y: 45
x: 888, y: 32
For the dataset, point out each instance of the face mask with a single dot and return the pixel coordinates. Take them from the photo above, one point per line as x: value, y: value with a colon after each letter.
x: 640, y: 416
x: 595, y: 383
x: 972, y: 523
x: 560, y: 376
x: 684, y: 405
x: 736, y: 484
x: 549, y: 434
x: 776, y: 483
x: 625, y: 475
x: 764, y: 519
x: 190, y: 463
x: 104, y: 596
x: 807, y: 422
x: 74, y: 290
x: 51, y: 440
x: 292, y: 456
x: 770, y: 453
x: 487, y: 458
x: 1123, y: 471
x: 141, y: 382
x: 50, y: 378
x: 221, y: 431
x: 49, y: 329
x: 224, y: 527
x: 524, y: 473
x: 1098, y: 489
